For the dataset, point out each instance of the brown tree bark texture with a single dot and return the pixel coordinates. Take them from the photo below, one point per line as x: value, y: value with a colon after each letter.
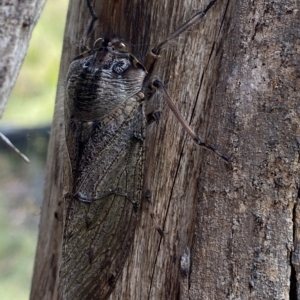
x: 17, y: 20
x: 234, y: 77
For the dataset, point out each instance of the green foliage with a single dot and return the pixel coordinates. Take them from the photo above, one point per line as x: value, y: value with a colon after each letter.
x: 32, y: 100
x: 17, y: 250
x: 19, y: 217
x: 31, y: 105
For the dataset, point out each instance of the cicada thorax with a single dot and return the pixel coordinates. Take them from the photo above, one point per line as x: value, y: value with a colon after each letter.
x: 102, y: 79
x: 105, y: 140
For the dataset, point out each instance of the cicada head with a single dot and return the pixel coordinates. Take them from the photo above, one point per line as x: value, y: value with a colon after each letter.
x: 103, y: 77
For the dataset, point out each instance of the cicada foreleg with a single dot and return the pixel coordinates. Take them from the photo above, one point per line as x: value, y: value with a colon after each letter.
x: 156, y: 84
x: 154, y: 54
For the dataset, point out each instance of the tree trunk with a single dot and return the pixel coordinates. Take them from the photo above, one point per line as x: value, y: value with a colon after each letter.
x: 17, y: 20
x: 234, y: 77
x: 246, y: 244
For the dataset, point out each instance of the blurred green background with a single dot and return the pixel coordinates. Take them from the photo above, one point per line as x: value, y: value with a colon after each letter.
x: 26, y: 122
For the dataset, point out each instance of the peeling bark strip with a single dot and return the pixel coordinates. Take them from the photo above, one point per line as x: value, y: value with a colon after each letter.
x: 105, y: 119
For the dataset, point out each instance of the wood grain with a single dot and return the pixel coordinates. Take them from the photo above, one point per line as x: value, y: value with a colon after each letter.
x: 234, y: 77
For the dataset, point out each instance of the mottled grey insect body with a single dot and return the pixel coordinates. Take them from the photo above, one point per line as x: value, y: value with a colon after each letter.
x: 105, y: 129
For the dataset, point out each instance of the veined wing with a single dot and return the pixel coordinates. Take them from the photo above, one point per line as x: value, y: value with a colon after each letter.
x: 103, y: 209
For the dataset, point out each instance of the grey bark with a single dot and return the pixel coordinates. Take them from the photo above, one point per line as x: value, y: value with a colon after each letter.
x: 235, y: 78
x: 17, y: 20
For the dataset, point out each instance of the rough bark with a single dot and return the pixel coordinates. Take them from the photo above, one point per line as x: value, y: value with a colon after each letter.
x: 235, y: 78
x: 17, y: 20
x: 246, y: 231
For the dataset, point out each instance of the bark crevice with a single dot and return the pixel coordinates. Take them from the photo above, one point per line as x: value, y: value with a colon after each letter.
x: 293, y: 277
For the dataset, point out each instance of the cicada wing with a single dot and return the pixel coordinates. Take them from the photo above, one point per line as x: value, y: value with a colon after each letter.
x: 104, y: 207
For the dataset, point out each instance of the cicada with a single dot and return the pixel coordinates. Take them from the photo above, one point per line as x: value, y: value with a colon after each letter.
x: 105, y: 94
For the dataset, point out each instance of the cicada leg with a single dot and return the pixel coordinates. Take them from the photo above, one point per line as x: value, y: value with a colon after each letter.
x: 155, y: 52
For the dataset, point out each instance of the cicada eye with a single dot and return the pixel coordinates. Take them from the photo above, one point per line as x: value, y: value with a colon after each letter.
x: 122, y: 46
